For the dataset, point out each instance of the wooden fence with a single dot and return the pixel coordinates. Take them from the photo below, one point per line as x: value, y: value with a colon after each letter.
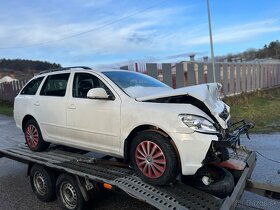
x: 235, y: 77
x: 9, y: 90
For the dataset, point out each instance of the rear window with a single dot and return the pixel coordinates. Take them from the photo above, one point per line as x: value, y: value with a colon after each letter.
x: 55, y: 85
x: 32, y: 87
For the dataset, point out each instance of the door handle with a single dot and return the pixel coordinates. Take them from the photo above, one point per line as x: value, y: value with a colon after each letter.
x: 72, y: 106
x: 37, y: 103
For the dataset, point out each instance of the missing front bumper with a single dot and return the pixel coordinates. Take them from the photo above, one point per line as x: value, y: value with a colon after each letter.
x: 233, y: 138
x: 218, y: 150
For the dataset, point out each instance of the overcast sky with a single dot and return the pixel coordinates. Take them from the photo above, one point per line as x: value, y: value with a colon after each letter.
x: 81, y: 32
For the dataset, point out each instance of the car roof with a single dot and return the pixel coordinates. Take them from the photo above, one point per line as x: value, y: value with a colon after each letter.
x: 76, y: 69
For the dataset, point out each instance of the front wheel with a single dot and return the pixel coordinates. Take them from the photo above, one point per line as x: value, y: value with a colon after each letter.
x: 153, y: 158
x: 43, y: 183
x: 69, y: 194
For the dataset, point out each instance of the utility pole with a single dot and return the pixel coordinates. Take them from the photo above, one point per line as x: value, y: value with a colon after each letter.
x: 211, y: 41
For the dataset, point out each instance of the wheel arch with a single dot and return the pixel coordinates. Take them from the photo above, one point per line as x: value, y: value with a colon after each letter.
x: 147, y: 127
x: 25, y: 120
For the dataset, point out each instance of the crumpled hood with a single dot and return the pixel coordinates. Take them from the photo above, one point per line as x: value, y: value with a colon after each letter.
x: 207, y: 93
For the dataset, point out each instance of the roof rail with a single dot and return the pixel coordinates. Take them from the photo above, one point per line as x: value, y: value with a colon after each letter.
x: 64, y: 68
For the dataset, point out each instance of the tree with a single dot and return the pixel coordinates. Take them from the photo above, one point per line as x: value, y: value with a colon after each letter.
x: 24, y: 65
x: 272, y: 50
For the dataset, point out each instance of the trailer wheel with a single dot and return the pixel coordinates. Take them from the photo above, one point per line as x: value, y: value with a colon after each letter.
x: 69, y: 193
x: 33, y: 136
x: 214, y: 180
x: 43, y: 183
x: 154, y: 158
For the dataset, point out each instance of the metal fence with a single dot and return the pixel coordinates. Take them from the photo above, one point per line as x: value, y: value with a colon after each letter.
x: 235, y: 77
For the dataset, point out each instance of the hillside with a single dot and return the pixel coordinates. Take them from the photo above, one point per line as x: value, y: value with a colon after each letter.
x: 271, y: 50
x: 23, y: 69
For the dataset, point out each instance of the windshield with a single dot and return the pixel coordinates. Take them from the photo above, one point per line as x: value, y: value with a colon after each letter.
x: 136, y: 84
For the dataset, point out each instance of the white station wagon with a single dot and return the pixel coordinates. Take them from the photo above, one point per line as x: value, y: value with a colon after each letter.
x: 160, y: 131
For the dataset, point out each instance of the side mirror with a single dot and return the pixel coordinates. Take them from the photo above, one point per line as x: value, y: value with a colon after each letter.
x: 97, y: 93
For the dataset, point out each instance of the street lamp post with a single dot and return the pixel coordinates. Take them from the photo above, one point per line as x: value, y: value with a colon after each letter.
x: 211, y: 41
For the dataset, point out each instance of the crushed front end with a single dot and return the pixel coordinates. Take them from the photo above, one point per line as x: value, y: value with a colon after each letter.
x: 227, y: 139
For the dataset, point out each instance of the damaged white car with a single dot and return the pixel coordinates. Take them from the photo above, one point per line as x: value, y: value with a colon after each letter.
x: 160, y: 131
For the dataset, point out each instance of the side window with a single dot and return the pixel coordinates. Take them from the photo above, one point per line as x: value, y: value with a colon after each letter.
x: 55, y: 85
x: 83, y: 82
x: 32, y: 87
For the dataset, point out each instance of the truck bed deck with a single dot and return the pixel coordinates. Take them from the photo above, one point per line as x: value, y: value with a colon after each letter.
x: 175, y: 196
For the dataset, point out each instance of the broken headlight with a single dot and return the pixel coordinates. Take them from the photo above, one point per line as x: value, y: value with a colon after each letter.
x: 198, y: 123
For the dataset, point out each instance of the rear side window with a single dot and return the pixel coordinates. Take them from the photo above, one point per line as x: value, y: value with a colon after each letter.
x: 32, y: 87
x: 55, y: 85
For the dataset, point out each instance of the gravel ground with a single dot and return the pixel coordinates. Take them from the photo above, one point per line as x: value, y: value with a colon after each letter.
x: 16, y: 193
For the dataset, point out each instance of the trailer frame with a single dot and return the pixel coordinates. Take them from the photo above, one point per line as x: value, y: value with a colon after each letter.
x: 89, y: 170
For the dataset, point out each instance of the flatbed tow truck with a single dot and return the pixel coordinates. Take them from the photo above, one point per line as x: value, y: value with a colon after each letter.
x: 92, y: 174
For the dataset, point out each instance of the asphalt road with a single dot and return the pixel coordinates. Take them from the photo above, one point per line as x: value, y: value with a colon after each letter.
x: 16, y: 193
x: 15, y: 190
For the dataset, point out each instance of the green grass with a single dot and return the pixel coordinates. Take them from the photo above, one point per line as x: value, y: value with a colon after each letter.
x: 261, y: 107
x: 6, y: 109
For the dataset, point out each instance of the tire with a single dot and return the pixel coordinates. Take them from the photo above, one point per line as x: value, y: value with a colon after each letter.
x: 160, y: 167
x: 33, y: 136
x: 43, y: 183
x: 69, y: 193
x: 221, y: 181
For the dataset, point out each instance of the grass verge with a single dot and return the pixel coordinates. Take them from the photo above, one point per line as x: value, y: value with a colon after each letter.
x: 260, y: 107
x: 6, y: 108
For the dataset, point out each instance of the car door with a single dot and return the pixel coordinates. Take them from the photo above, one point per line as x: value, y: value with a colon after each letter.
x: 93, y: 123
x: 24, y: 102
x: 51, y: 107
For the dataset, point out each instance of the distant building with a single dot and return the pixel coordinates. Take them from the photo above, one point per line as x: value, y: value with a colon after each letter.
x: 7, y: 79
x: 268, y: 60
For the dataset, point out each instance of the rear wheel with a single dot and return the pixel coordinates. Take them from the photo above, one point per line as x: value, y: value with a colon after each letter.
x: 153, y: 158
x: 34, y: 137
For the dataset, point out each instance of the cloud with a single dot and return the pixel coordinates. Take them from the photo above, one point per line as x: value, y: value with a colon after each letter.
x: 95, y: 3
x: 108, y: 35
x: 126, y: 32
x: 236, y: 33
